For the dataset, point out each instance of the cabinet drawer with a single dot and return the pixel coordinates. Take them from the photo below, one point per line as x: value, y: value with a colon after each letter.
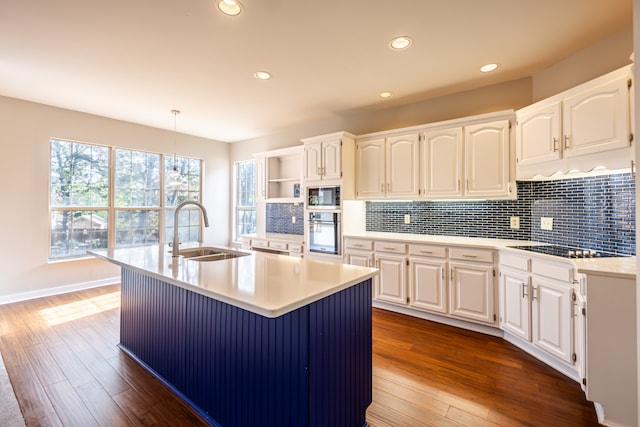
x: 278, y: 245
x: 553, y: 270
x: 295, y: 247
x: 365, y: 245
x: 428, y: 250
x: 259, y: 243
x: 471, y: 254
x: 521, y: 262
x: 391, y: 247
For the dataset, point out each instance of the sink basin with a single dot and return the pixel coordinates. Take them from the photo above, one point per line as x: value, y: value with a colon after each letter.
x: 208, y: 253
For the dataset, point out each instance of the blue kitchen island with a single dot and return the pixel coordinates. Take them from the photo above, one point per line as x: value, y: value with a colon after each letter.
x: 258, y: 340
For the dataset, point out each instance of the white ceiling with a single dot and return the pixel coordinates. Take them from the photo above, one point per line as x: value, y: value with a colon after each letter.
x: 135, y: 60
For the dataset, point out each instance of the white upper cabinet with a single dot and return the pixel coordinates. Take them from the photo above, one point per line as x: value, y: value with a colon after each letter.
x: 539, y: 133
x: 579, y: 129
x: 597, y: 119
x: 402, y: 166
x: 370, y: 169
x: 387, y: 167
x: 330, y: 160
x: 487, y: 159
x: 441, y: 163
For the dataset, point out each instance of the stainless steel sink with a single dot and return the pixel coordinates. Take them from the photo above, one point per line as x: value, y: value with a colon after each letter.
x: 208, y: 253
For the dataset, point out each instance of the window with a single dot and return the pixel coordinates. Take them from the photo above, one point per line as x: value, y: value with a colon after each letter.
x: 244, y: 198
x: 90, y: 209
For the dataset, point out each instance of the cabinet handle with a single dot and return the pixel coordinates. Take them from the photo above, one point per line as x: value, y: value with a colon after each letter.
x: 534, y: 297
x: 382, y: 188
x: 467, y: 184
x: 451, y: 274
x: 443, y: 274
x: 525, y: 292
x: 458, y: 186
x: 509, y: 189
x: 388, y: 249
x: 633, y: 168
x: 566, y: 142
x: 426, y: 252
x: 368, y: 262
x: 555, y: 144
x: 469, y: 256
x: 388, y: 187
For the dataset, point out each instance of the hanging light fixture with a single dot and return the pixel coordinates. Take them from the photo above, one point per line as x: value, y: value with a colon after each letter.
x: 175, y: 179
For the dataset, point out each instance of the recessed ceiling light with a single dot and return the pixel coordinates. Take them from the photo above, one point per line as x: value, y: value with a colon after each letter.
x: 400, y: 42
x: 230, y: 7
x: 262, y: 75
x: 385, y: 95
x: 488, y: 68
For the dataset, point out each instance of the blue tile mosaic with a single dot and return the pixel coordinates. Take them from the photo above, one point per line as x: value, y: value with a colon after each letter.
x: 592, y: 213
x: 279, y: 218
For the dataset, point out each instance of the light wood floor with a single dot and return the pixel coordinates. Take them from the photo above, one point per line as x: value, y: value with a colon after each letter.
x: 63, y: 361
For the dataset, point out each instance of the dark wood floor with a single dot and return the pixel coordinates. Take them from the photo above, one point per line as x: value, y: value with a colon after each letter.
x: 63, y: 361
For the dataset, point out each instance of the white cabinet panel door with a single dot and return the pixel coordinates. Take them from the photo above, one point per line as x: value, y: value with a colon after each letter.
x: 313, y: 161
x: 487, y: 159
x: 515, y: 312
x: 370, y: 166
x: 471, y: 291
x: 332, y: 159
x: 360, y: 259
x: 539, y: 133
x: 597, y: 119
x: 427, y: 284
x: 402, y: 162
x: 391, y: 283
x: 551, y: 317
x: 442, y: 163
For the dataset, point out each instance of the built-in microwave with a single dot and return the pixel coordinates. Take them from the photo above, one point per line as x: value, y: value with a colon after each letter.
x: 323, y: 197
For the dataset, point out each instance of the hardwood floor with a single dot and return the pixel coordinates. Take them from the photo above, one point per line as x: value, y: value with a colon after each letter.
x: 63, y: 361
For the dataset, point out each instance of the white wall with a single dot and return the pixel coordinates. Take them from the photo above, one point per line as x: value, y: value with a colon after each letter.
x: 25, y: 129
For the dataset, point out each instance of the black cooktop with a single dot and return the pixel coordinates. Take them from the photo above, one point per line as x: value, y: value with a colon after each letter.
x: 567, y: 251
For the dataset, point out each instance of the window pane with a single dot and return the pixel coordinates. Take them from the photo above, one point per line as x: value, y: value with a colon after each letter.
x: 184, y: 183
x: 137, y: 227
x: 137, y: 179
x: 245, y: 222
x: 189, y: 221
x: 79, y: 174
x: 73, y: 232
x: 246, y: 191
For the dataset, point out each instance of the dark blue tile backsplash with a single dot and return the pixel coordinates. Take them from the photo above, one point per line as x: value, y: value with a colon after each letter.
x: 595, y: 212
x: 279, y: 218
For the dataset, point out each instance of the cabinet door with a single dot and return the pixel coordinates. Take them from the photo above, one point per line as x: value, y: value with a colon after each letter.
x: 487, y: 159
x: 551, y: 317
x: 332, y: 159
x: 402, y: 165
x: 515, y: 313
x: 312, y: 161
x: 261, y: 179
x: 441, y: 163
x: 427, y: 284
x: 471, y: 291
x: 358, y: 258
x: 392, y: 278
x: 597, y: 119
x: 539, y: 133
x: 370, y: 178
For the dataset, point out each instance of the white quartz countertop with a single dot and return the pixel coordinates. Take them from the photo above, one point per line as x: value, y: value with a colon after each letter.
x: 617, y: 266
x: 267, y: 284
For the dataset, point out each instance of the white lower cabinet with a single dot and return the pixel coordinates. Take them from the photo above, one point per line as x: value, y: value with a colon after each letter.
x: 551, y: 317
x: 471, y: 291
x: 537, y: 305
x: 391, y: 260
x: 428, y: 278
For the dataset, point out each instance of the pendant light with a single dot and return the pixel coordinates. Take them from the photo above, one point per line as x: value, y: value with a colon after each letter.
x: 175, y: 179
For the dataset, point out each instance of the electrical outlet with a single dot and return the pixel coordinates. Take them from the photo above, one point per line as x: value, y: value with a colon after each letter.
x: 407, y: 219
x: 515, y: 222
x: 546, y: 223
x: 293, y: 220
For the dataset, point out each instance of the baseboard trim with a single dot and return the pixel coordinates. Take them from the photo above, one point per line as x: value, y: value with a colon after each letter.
x: 23, y: 296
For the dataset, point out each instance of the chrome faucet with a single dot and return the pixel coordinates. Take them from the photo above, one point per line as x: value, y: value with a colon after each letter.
x: 176, y: 243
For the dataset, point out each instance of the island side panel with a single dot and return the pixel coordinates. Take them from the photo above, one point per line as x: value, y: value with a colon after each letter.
x: 341, y: 358
x: 152, y: 321
x: 244, y: 369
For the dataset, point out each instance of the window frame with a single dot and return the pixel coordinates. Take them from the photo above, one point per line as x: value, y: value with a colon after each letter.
x: 163, y: 209
x: 236, y: 196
